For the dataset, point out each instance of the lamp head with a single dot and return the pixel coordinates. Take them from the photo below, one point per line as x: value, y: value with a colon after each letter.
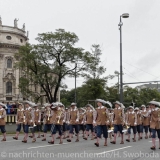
x: 125, y: 15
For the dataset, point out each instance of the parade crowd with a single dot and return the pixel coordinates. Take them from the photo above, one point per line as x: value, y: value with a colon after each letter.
x: 111, y: 122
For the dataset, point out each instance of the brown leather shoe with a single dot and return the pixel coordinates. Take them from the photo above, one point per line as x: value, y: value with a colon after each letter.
x: 16, y: 138
x: 42, y: 135
x: 4, y: 139
x: 153, y: 148
x: 105, y: 144
x: 38, y: 136
x: 128, y: 140
x: 24, y: 141
x: 134, y: 140
x: 51, y: 142
x: 34, y: 140
x: 97, y: 144
x: 85, y: 138
x: 113, y: 142
x: 31, y: 136
x: 77, y: 140
x: 68, y: 140
x: 44, y: 139
x: 58, y: 138
x: 122, y: 142
x: 146, y: 137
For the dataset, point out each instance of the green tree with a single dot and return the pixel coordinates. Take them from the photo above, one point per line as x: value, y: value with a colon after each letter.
x: 142, y: 96
x: 93, y: 69
x: 94, y: 84
x: 49, y: 62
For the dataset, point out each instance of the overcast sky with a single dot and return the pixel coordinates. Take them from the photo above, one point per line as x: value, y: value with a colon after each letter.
x: 96, y: 22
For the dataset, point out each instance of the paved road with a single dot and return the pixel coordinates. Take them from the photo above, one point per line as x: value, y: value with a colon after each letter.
x: 85, y: 150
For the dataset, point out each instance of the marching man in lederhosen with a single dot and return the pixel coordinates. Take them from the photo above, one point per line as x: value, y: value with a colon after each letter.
x: 62, y: 107
x: 148, y: 109
x: 47, y: 120
x: 19, y: 120
x: 57, y: 122
x: 110, y: 132
x: 64, y: 126
x: 139, y: 122
x: 2, y: 121
x: 101, y: 120
x: 132, y: 123
x: 155, y: 123
x: 118, y: 121
x: 81, y: 120
x: 145, y: 121
x: 37, y: 120
x: 89, y: 121
x: 28, y: 120
x: 126, y: 116
x: 73, y: 121
x: 65, y: 133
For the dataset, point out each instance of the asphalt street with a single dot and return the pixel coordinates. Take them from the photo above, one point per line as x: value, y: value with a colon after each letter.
x: 15, y: 149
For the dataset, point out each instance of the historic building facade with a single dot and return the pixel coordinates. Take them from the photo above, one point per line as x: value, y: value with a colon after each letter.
x: 11, y: 38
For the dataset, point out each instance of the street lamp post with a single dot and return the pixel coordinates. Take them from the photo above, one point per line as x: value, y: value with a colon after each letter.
x: 125, y: 15
x: 117, y: 73
x: 75, y: 91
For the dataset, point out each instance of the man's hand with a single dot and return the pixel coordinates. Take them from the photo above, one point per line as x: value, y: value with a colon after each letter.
x: 135, y: 124
x: 94, y: 123
x: 107, y: 123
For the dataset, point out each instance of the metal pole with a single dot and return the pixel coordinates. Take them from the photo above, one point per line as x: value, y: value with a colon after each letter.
x: 118, y: 85
x: 121, y: 71
x: 75, y: 93
x: 140, y: 82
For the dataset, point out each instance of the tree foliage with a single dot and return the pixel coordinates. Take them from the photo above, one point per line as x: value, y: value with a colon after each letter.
x: 49, y: 62
x: 135, y: 95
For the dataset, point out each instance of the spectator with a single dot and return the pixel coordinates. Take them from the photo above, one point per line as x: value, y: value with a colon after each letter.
x: 13, y: 108
x: 8, y: 108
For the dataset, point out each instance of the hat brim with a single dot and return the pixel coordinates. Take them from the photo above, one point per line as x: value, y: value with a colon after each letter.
x: 99, y: 100
x: 117, y: 103
x: 154, y: 103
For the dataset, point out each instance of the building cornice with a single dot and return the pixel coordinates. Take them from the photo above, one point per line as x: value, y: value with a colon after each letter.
x: 13, y: 30
x: 7, y: 45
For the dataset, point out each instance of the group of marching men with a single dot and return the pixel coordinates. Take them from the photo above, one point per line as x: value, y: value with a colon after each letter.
x: 98, y: 121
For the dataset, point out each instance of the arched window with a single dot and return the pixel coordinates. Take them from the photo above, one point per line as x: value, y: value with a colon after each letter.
x: 9, y: 88
x: 9, y: 63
